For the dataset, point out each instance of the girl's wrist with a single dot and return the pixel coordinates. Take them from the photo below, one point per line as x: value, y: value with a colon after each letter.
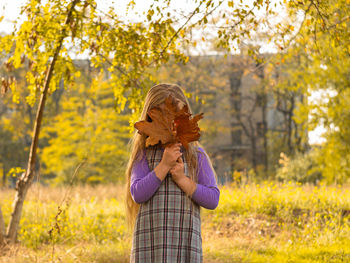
x: 193, y: 189
x: 181, y: 182
x: 187, y: 185
x: 161, y: 170
x: 166, y: 166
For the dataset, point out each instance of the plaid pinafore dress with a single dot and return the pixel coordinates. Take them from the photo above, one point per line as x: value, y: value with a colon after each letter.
x: 168, y: 226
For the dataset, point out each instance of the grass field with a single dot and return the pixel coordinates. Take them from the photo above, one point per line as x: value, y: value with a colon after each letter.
x: 253, y: 223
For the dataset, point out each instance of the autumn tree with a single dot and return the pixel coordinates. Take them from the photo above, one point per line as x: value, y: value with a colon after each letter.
x: 53, y: 32
x: 85, y: 129
x: 312, y: 55
x: 318, y: 55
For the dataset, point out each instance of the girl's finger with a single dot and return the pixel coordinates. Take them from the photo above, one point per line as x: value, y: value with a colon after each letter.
x: 177, y: 146
x: 177, y: 149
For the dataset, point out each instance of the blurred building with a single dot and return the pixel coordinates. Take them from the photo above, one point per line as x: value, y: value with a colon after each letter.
x: 247, y: 124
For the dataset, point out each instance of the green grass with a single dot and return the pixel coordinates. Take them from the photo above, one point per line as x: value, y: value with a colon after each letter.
x: 253, y: 223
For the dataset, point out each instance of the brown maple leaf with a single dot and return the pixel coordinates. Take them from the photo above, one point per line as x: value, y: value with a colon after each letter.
x: 170, y: 125
x: 186, y: 128
x: 158, y: 130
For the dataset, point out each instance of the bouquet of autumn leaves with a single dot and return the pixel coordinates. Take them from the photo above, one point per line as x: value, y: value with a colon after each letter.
x: 170, y: 125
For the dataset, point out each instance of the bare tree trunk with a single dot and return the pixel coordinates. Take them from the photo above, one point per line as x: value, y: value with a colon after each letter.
x: 266, y: 160
x: 253, y: 142
x: 2, y: 229
x: 26, y: 178
x: 290, y: 125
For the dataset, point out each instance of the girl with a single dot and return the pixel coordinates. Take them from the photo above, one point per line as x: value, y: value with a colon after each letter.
x: 165, y: 192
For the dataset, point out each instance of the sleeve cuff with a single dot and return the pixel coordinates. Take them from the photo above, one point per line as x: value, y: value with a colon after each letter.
x: 208, y: 198
x: 154, y: 178
x: 196, y: 193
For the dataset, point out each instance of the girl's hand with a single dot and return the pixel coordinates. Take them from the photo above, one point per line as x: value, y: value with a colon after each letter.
x: 170, y: 155
x: 179, y: 177
x: 178, y: 171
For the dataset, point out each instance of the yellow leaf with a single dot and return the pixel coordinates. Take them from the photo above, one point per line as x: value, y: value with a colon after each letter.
x: 182, y: 33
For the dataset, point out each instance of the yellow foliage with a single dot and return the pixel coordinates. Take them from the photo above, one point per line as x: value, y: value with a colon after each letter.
x: 286, y: 217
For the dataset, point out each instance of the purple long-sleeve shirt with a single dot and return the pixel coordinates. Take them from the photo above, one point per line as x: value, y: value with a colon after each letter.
x: 144, y: 183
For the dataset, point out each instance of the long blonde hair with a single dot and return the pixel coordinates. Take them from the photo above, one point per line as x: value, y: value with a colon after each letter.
x: 155, y: 96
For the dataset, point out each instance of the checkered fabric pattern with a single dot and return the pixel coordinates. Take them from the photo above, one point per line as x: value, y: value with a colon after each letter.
x: 168, y: 226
